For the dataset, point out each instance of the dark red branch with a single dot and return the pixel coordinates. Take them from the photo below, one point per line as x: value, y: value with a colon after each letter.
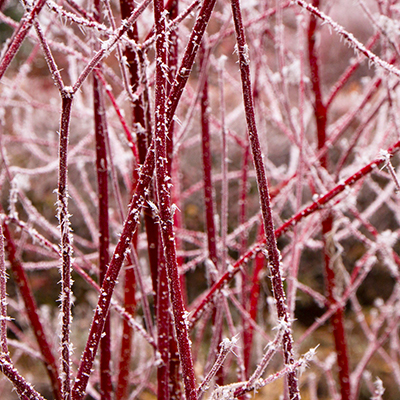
x: 19, y: 36
x: 170, y: 276
x: 102, y: 183
x: 22, y: 283
x: 320, y: 112
x: 273, y: 252
x: 66, y: 243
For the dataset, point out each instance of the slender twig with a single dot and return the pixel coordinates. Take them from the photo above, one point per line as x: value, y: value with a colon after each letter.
x: 226, y: 347
x: 109, y: 45
x: 188, y: 58
x: 55, y: 72
x: 166, y: 215
x: 207, y: 169
x: 271, y: 349
x: 24, y: 389
x: 103, y: 218
x: 321, y: 115
x: 349, y: 38
x: 32, y: 311
x: 3, y: 299
x: 273, y: 252
x: 224, y: 166
x: 175, y: 381
x: 66, y: 244
x: 19, y: 36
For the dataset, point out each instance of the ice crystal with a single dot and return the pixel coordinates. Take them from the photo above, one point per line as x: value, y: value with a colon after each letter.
x: 226, y: 392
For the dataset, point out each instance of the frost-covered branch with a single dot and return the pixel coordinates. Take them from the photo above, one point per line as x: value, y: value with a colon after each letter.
x: 350, y: 39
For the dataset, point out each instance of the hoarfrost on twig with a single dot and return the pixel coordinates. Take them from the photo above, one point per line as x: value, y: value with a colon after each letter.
x: 350, y: 39
x: 379, y: 389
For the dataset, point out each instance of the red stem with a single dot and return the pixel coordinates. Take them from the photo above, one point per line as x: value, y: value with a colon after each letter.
x: 132, y: 59
x: 117, y: 109
x: 247, y: 333
x: 22, y: 283
x: 142, y: 123
x: 166, y: 216
x: 121, y: 391
x: 175, y: 385
x: 194, y: 42
x: 66, y: 244
x: 3, y: 300
x: 19, y: 36
x: 102, y: 183
x: 273, y: 252
x: 24, y: 389
x: 207, y: 168
x: 260, y: 264
x: 337, y: 319
x: 163, y: 324
x: 320, y: 111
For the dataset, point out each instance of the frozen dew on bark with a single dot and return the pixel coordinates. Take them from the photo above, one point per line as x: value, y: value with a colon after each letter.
x: 379, y: 389
x: 226, y: 392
